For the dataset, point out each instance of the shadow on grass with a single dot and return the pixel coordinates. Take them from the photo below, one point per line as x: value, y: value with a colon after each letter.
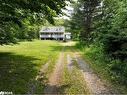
x: 16, y: 71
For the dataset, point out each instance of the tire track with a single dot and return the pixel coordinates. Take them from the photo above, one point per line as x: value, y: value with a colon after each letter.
x: 95, y: 85
x: 54, y: 79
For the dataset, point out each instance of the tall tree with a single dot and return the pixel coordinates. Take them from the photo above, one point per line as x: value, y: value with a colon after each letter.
x: 84, y: 13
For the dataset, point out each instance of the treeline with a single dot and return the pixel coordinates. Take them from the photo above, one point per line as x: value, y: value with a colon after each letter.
x: 21, y: 19
x: 102, y: 26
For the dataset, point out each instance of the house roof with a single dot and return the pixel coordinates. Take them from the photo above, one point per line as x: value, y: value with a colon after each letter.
x: 53, y: 29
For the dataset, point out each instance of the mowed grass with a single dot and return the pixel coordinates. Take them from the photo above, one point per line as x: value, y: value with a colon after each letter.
x: 20, y: 63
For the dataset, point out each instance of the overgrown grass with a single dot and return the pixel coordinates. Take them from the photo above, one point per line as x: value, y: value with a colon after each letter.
x: 107, y: 68
x: 20, y: 63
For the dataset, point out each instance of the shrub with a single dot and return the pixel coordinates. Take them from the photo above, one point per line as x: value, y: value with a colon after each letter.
x: 115, y: 46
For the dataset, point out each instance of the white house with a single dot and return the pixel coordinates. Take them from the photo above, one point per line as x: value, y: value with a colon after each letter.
x: 67, y: 35
x: 54, y: 32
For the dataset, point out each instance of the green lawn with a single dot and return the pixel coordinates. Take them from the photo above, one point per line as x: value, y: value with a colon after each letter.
x: 20, y: 63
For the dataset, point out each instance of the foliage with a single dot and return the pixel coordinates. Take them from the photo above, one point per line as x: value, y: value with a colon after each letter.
x: 76, y: 24
x: 82, y: 19
x: 26, y: 13
x: 104, y: 35
x: 115, y: 46
x: 104, y: 23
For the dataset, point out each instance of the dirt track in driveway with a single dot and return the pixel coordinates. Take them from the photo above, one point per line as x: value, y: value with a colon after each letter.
x: 95, y: 85
x: 54, y: 78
